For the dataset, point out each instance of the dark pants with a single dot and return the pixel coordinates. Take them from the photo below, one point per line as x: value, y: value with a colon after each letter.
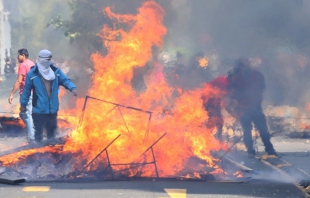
x: 255, y: 114
x: 47, y: 121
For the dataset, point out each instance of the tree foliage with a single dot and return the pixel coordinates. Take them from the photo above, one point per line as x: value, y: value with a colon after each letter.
x: 28, y: 21
x: 87, y: 20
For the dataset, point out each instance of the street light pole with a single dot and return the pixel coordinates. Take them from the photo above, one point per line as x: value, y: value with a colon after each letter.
x: 2, y: 39
x: 5, y: 37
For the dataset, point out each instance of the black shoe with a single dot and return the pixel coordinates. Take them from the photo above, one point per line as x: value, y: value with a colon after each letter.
x: 251, y: 154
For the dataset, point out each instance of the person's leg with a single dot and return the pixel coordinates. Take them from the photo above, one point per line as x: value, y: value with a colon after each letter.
x: 219, y: 127
x: 39, y: 121
x: 51, y: 126
x: 27, y: 119
x: 246, y: 123
x: 215, y: 118
x: 260, y: 123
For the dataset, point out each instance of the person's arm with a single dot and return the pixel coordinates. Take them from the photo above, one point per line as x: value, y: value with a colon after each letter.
x: 66, y: 82
x: 17, y: 83
x: 26, y: 94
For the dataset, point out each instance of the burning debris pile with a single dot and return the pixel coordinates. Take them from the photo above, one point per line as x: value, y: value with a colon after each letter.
x: 10, y: 124
x: 124, y: 133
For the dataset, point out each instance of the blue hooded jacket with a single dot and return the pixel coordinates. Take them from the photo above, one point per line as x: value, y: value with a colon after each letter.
x: 41, y: 103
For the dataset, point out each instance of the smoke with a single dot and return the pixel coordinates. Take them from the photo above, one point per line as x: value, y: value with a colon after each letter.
x: 274, y: 176
x: 274, y: 34
x: 257, y: 170
x: 274, y: 31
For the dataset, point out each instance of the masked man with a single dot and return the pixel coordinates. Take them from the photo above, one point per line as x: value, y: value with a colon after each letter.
x: 44, y: 80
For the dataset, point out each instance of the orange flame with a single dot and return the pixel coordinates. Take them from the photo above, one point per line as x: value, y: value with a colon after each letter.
x: 16, y: 109
x: 203, y: 62
x: 305, y: 126
x: 197, y: 175
x: 308, y: 106
x: 182, y: 118
x: 14, y: 158
x: 238, y: 174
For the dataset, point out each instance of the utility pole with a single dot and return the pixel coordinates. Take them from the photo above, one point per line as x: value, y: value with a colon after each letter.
x: 5, y: 37
x: 2, y: 52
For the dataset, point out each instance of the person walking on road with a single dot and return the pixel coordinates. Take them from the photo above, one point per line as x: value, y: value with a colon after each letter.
x: 246, y: 86
x: 24, y: 68
x: 44, y: 79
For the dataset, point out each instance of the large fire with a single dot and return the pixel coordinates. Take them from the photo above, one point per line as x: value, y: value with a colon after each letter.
x: 182, y: 117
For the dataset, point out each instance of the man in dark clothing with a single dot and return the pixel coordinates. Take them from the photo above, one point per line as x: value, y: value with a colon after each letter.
x: 44, y: 80
x: 180, y: 68
x: 246, y: 86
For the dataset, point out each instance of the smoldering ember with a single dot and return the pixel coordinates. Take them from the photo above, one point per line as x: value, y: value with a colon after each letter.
x: 167, y: 90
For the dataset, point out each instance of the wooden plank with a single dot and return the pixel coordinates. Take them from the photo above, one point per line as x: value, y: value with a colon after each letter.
x: 221, y: 155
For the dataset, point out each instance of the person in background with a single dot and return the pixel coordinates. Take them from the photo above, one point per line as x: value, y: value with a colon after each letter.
x: 44, y: 79
x: 246, y: 87
x: 23, y: 69
x: 212, y: 99
x: 176, y: 71
x: 7, y: 66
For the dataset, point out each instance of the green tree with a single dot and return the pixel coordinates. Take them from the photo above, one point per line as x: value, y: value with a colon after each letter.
x: 29, y: 21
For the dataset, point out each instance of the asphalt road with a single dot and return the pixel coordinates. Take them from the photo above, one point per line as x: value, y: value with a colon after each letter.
x: 150, y: 189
